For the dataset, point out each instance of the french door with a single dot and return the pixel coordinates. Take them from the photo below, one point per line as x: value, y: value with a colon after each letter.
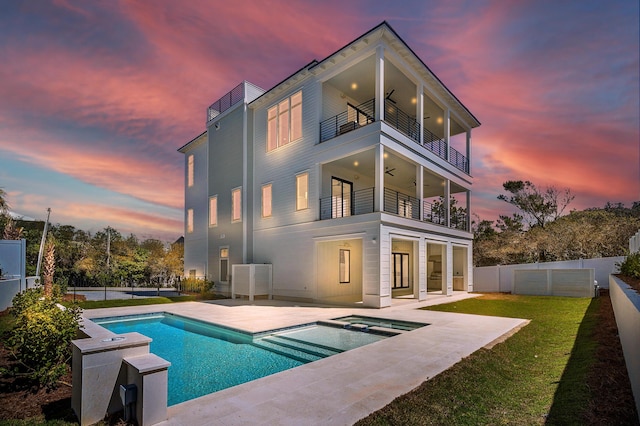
x: 400, y: 264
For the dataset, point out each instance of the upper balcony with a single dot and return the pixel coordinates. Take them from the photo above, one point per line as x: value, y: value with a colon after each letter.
x: 406, y: 189
x: 349, y: 102
x: 244, y: 91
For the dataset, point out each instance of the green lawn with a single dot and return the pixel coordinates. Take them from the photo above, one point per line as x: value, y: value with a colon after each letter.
x: 537, y: 376
x: 116, y: 303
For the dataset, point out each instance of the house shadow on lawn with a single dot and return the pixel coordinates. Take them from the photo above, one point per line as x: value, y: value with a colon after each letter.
x: 594, y: 387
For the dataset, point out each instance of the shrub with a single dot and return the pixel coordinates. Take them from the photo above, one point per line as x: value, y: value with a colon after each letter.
x: 195, y: 285
x: 630, y: 266
x: 41, y: 339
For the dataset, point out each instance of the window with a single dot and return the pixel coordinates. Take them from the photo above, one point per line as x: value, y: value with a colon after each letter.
x: 189, y: 220
x: 345, y: 266
x: 213, y: 211
x: 236, y: 205
x: 224, y: 264
x: 284, y: 122
x: 302, y: 191
x: 266, y: 200
x: 190, y: 171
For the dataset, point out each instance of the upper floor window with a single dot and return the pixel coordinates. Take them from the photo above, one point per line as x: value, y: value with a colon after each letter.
x: 189, y: 221
x: 302, y: 191
x: 213, y: 211
x: 266, y: 200
x: 236, y: 205
x: 284, y: 122
x: 190, y: 171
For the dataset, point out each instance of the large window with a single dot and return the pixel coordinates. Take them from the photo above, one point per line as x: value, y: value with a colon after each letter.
x: 190, y: 171
x: 236, y: 205
x: 302, y: 191
x: 213, y: 211
x: 266, y: 200
x: 284, y: 122
x: 190, y: 220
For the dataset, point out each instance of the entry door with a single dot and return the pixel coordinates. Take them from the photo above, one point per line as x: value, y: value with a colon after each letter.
x: 341, y: 196
x: 400, y: 270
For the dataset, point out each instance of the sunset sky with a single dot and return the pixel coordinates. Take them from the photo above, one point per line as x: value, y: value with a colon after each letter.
x: 96, y: 97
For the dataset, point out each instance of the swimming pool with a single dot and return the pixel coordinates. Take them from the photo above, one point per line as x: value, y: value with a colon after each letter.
x: 206, y: 358
x: 382, y: 322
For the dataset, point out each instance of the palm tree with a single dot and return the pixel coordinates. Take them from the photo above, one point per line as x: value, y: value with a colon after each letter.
x: 4, y: 205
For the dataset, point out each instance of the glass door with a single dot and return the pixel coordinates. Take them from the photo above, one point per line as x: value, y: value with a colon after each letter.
x: 341, y: 195
x: 400, y: 270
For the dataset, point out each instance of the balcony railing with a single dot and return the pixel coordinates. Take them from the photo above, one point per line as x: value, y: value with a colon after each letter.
x: 362, y: 202
x: 227, y: 101
x: 351, y: 119
x: 363, y: 114
x: 401, y: 204
x: 358, y: 202
x: 458, y: 160
x: 434, y: 215
x: 399, y: 119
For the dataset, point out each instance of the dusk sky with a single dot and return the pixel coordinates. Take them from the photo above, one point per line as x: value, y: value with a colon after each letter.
x: 97, y: 96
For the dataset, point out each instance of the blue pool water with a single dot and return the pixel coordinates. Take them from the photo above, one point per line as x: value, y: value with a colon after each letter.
x: 201, y: 364
x: 206, y: 358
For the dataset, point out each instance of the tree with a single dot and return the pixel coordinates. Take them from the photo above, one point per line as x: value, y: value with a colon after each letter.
x: 538, y: 207
x: 4, y: 205
x: 49, y: 267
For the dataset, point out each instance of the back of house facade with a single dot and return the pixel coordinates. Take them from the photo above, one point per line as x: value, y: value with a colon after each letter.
x: 351, y: 178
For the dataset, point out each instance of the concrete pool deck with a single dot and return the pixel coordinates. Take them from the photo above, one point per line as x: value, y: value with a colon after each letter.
x: 343, y: 388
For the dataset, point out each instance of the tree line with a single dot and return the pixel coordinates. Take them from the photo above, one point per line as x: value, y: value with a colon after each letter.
x: 539, y: 232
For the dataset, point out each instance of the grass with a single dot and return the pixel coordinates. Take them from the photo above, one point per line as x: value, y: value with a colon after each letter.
x: 116, y: 303
x: 538, y: 376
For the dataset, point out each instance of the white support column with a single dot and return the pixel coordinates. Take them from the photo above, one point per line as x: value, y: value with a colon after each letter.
x: 422, y: 269
x: 420, y: 189
x: 448, y: 272
x: 378, y: 196
x: 379, y: 102
x: 420, y: 111
x: 468, y: 218
x: 447, y: 131
x: 447, y: 202
x: 469, y: 151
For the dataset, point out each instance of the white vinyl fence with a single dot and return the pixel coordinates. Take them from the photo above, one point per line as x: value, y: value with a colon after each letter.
x: 634, y: 243
x: 499, y: 279
x: 251, y: 280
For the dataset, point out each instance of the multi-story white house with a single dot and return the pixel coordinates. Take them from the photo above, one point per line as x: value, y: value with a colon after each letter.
x: 351, y: 177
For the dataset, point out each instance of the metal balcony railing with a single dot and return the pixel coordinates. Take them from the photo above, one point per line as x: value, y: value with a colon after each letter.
x: 358, y: 202
x: 351, y: 119
x: 401, y: 204
x: 434, y: 215
x: 225, y: 102
x: 458, y: 160
x: 399, y: 119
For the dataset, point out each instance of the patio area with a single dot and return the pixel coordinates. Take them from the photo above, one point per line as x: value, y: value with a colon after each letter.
x: 343, y: 388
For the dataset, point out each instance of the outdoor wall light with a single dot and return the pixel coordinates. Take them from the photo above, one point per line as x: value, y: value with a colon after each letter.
x: 373, y: 240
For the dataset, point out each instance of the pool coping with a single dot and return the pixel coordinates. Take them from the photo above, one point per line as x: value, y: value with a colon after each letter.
x: 343, y: 388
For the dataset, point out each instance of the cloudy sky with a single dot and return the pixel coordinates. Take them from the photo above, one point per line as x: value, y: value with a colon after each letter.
x: 97, y: 96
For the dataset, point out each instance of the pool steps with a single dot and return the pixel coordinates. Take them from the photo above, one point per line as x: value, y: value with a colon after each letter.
x: 293, y: 348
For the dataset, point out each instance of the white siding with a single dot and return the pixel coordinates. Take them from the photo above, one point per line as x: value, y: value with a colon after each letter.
x: 196, y: 198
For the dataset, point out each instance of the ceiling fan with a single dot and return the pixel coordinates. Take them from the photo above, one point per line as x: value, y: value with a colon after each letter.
x: 388, y: 171
x: 388, y: 97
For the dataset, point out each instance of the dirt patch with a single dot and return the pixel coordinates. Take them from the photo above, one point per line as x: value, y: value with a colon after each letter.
x: 634, y: 283
x: 612, y: 401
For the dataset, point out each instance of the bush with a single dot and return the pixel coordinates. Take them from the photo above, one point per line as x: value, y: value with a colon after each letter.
x: 41, y: 339
x: 195, y: 285
x: 631, y: 265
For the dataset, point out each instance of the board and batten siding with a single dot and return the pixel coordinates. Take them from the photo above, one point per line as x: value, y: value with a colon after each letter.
x: 195, y: 254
